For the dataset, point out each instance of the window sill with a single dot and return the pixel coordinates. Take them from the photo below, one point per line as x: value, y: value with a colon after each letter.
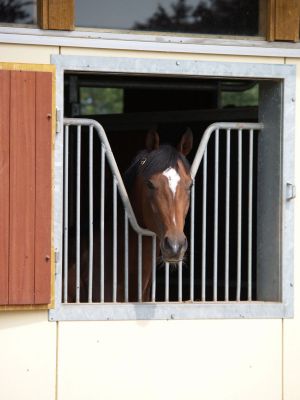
x: 169, y: 311
x: 128, y: 40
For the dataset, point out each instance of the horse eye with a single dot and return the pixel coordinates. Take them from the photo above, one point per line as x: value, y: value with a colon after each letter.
x: 189, y: 188
x: 150, y: 185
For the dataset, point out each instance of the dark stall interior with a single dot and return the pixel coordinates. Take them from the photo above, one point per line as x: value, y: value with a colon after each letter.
x: 127, y: 107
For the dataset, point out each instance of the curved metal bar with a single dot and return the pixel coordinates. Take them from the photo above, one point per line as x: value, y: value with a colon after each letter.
x: 207, y: 134
x: 112, y: 162
x: 195, y: 165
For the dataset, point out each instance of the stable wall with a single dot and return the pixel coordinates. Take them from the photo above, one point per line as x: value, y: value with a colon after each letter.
x: 203, y: 359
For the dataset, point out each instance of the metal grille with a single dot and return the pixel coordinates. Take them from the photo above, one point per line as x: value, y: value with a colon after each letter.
x: 118, y: 188
x: 227, y: 222
x: 220, y: 234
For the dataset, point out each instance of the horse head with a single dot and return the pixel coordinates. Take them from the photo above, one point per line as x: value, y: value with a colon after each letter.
x: 162, y: 193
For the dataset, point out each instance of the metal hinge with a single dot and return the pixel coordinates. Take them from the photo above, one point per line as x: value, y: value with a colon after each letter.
x: 290, y: 191
x: 58, y: 120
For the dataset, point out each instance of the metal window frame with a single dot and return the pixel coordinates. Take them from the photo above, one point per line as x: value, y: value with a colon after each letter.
x: 278, y: 82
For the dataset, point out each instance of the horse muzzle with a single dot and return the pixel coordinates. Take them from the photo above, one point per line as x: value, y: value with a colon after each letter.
x: 173, y: 248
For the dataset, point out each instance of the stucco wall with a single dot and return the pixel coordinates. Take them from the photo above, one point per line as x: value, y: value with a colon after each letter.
x: 291, y: 328
x: 26, y: 54
x: 28, y: 356
x: 223, y: 359
x: 170, y: 359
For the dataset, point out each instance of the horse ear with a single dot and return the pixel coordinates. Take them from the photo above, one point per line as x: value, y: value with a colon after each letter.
x: 152, y: 140
x: 186, y: 143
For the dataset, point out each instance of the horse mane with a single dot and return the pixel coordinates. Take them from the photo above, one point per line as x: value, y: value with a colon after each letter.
x: 147, y: 163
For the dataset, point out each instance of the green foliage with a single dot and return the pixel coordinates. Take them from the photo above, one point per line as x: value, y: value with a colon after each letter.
x: 240, y: 99
x: 101, y: 101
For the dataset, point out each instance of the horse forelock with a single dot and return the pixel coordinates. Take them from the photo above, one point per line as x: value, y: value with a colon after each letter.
x: 157, y: 161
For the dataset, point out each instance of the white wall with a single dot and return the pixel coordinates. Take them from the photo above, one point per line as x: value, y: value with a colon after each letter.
x: 170, y: 360
x: 27, y: 340
x: 28, y: 356
x: 291, y: 328
x: 206, y: 359
x: 26, y: 54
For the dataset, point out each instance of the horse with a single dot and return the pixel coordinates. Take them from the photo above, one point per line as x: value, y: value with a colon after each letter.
x: 158, y: 184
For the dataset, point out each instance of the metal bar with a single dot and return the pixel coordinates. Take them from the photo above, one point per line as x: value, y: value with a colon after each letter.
x: 239, y: 217
x: 180, y: 281
x: 91, y: 215
x: 250, y: 205
x: 167, y: 273
x: 140, y: 278
x: 78, y: 189
x: 133, y: 83
x: 112, y: 162
x: 192, y: 242
x: 66, y: 211
x: 115, y: 245
x: 131, y: 217
x: 227, y: 211
x: 153, y: 294
x: 204, y: 197
x: 102, y: 221
x: 206, y: 136
x: 216, y: 209
x: 126, y: 257
x: 170, y: 311
x: 194, y: 167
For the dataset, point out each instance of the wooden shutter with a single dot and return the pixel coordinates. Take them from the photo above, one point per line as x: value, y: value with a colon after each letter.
x: 282, y: 20
x: 56, y: 14
x: 26, y: 113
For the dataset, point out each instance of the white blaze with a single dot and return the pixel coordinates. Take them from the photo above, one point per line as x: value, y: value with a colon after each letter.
x: 174, y: 220
x: 173, y: 179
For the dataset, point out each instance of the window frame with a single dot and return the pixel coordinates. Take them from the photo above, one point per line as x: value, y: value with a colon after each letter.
x: 286, y: 77
x: 104, y: 40
x: 280, y: 17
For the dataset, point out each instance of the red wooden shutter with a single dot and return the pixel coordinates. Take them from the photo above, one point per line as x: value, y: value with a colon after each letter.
x: 4, y: 183
x: 25, y: 182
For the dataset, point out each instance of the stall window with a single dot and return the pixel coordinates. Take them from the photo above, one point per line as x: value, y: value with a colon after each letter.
x: 239, y: 262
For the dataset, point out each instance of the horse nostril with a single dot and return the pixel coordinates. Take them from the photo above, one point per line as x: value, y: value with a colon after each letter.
x: 174, y: 247
x: 171, y: 246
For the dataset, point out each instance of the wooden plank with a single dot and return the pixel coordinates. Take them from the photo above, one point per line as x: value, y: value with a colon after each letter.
x: 22, y: 188
x: 43, y: 187
x: 61, y: 14
x: 27, y: 67
x: 4, y: 184
x: 43, y: 14
x: 283, y: 20
x: 287, y: 20
x: 56, y: 14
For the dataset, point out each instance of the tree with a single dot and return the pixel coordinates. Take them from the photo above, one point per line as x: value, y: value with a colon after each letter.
x: 101, y: 100
x: 13, y: 11
x: 160, y: 20
x: 235, y: 17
